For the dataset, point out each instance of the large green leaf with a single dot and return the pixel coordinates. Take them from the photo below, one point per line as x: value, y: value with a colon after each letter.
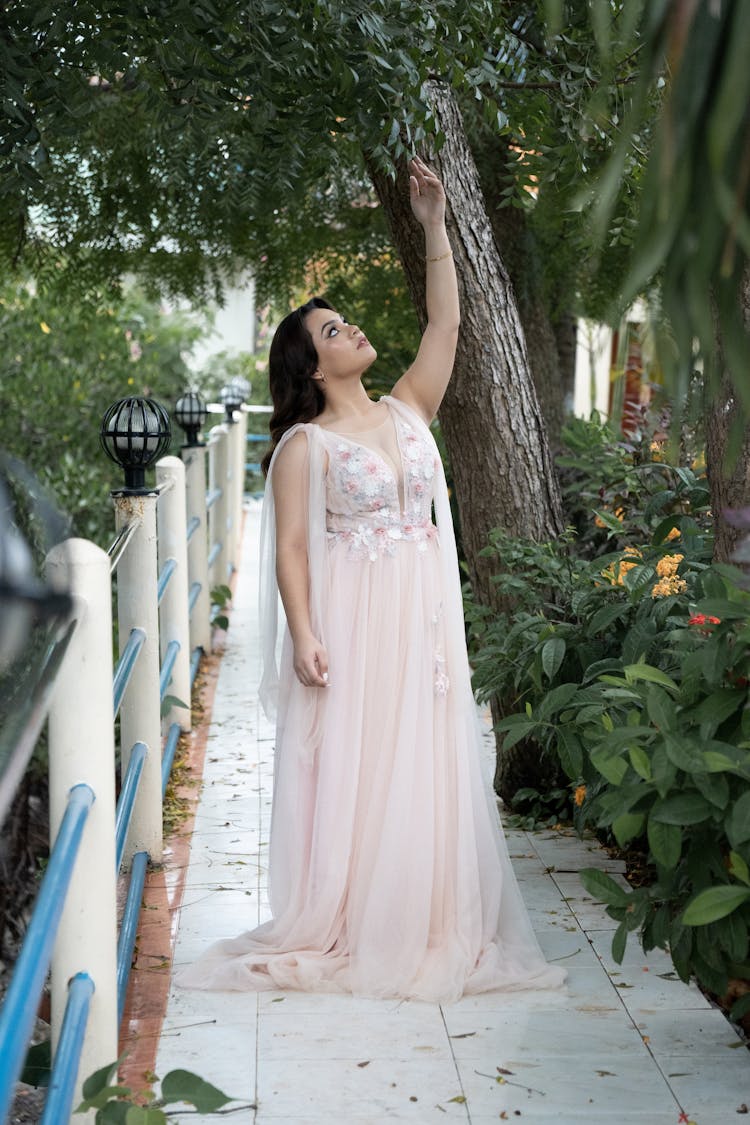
x: 603, y: 888
x: 556, y: 699
x: 713, y: 904
x: 685, y: 753
x: 570, y: 752
x: 665, y: 842
x: 553, y: 652
x: 651, y: 675
x: 682, y: 808
x: 738, y: 821
x: 627, y: 826
x: 184, y: 1086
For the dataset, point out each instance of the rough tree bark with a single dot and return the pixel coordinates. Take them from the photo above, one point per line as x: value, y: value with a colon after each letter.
x: 490, y: 417
x: 728, y: 472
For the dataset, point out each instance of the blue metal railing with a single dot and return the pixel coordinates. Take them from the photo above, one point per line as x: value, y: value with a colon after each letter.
x: 126, y: 800
x: 21, y: 1002
x: 22, y: 999
x: 59, y: 1102
x: 125, y: 666
x: 170, y: 566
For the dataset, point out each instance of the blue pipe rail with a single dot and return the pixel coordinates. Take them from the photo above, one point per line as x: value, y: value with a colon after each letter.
x: 213, y: 554
x: 212, y: 497
x: 129, y: 927
x: 195, y: 660
x: 126, y: 800
x: 167, y: 667
x: 170, y: 745
x: 192, y: 527
x: 59, y: 1101
x: 193, y: 595
x: 126, y: 664
x: 170, y: 566
x: 22, y: 999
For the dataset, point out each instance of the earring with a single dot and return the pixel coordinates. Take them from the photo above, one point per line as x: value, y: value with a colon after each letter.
x: 320, y: 376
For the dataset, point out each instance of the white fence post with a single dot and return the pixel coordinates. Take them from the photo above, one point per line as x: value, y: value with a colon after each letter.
x: 82, y: 749
x: 194, y: 458
x: 218, y: 466
x: 174, y: 619
x: 140, y: 714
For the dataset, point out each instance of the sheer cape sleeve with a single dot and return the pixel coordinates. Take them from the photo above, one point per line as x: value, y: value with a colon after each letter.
x: 271, y: 613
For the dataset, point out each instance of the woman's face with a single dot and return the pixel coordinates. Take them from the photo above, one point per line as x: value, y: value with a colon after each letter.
x: 343, y: 350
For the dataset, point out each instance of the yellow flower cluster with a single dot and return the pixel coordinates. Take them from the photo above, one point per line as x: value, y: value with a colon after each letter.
x: 667, y: 565
x: 674, y: 534
x: 579, y: 795
x: 615, y: 572
x: 668, y: 583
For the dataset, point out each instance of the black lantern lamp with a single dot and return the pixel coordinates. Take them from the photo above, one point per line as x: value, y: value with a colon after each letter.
x: 190, y: 412
x: 135, y: 432
x: 243, y: 385
x: 231, y: 399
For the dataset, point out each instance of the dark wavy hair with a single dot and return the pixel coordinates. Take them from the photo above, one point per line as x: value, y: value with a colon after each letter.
x: 292, y: 360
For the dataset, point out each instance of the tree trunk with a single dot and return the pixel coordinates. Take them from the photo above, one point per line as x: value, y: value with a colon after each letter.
x: 728, y: 461
x: 493, y: 427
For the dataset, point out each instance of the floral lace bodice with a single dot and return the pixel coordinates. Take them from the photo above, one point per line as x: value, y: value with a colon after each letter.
x: 363, y: 502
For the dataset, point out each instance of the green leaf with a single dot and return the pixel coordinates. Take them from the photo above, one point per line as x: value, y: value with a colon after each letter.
x: 665, y: 842
x: 739, y: 868
x: 647, y: 672
x: 38, y: 1065
x: 104, y: 1096
x: 640, y: 761
x: 723, y: 609
x: 627, y: 826
x: 682, y: 808
x: 718, y: 706
x: 556, y: 699
x: 553, y: 652
x: 738, y: 822
x: 113, y: 1113
x: 619, y: 941
x: 184, y: 1086
x: 610, y: 766
x: 661, y: 709
x: 684, y: 753
x: 603, y: 887
x: 570, y: 752
x: 517, y: 733
x: 100, y: 1078
x: 142, y: 1115
x: 609, y: 520
x: 714, y: 903
x: 740, y: 1007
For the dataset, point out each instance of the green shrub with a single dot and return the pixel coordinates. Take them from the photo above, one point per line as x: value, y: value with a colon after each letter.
x: 631, y: 669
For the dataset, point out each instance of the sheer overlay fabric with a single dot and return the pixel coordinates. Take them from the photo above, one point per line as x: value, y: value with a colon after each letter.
x: 389, y: 873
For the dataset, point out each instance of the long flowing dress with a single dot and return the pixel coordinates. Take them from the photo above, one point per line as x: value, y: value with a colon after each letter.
x: 389, y: 874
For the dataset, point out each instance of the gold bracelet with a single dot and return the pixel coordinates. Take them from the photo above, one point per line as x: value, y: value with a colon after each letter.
x: 447, y: 254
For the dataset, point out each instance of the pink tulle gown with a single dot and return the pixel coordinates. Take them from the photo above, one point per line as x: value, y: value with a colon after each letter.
x: 388, y: 871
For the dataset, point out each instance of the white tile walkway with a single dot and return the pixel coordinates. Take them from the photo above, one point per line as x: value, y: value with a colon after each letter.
x: 627, y: 1043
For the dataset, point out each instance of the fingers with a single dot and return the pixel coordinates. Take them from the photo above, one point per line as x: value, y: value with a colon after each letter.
x: 312, y: 668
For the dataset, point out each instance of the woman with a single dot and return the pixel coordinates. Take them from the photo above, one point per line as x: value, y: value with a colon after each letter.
x: 388, y: 872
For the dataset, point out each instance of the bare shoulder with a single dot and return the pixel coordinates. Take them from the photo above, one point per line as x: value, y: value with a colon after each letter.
x: 291, y: 458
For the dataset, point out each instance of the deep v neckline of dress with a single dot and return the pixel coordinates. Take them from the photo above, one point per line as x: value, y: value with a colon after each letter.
x: 363, y: 445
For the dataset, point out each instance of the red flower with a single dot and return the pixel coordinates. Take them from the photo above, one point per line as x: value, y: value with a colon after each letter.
x: 697, y: 619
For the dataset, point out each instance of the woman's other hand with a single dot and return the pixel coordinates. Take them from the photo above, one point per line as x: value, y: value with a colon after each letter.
x: 311, y: 662
x: 426, y: 193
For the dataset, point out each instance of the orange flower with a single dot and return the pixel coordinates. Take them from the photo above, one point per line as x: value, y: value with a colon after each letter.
x: 675, y: 533
x: 580, y: 795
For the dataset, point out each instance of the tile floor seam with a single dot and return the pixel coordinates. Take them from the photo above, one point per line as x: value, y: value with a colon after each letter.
x: 456, y: 1066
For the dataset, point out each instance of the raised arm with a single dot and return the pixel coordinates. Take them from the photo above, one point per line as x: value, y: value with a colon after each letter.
x: 292, y: 569
x: 423, y: 385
